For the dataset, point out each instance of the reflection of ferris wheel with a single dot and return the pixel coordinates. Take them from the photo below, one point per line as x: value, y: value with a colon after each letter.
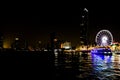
x: 104, y: 38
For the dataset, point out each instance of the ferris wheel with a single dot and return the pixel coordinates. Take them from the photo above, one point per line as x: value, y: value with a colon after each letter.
x: 104, y: 38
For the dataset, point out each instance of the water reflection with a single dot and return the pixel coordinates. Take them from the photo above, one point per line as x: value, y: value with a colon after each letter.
x: 101, y: 62
x: 89, y: 66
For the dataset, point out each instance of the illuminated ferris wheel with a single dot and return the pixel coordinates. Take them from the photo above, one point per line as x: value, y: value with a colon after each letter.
x: 104, y: 38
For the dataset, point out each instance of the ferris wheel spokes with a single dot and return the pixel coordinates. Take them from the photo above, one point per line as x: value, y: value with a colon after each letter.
x: 104, y: 38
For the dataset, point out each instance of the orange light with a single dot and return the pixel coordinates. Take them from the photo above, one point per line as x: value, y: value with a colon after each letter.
x: 6, y: 45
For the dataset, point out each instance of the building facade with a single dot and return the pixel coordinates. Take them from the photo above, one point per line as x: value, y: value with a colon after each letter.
x: 84, y: 27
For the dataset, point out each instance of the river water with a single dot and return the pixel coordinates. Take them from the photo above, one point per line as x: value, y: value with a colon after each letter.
x: 75, y: 66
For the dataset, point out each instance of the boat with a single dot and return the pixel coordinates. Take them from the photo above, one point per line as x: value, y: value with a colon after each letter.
x: 102, y: 50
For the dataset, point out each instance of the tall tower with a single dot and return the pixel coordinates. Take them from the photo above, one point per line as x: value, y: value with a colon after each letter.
x: 84, y: 27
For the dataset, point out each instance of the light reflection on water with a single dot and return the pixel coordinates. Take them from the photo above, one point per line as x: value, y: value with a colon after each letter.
x: 77, y: 66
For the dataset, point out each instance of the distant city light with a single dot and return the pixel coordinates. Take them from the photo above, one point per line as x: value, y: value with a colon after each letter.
x: 6, y: 45
x: 82, y: 24
x: 45, y: 50
x: 66, y: 45
x: 39, y: 42
x: 55, y: 40
x: 83, y: 16
x: 16, y: 38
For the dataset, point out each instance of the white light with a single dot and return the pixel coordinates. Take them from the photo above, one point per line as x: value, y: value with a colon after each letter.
x: 55, y: 50
x: 104, y: 39
x: 66, y: 47
x: 83, y: 16
x: 60, y: 49
x: 85, y: 9
x: 45, y: 50
x: 105, y: 52
x: 16, y: 38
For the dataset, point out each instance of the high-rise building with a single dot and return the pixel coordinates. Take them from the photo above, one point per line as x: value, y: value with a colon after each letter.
x: 84, y: 27
x: 16, y: 44
x: 19, y: 43
x: 55, y: 42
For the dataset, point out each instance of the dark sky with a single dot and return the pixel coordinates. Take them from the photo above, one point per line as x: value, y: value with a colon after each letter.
x: 38, y: 23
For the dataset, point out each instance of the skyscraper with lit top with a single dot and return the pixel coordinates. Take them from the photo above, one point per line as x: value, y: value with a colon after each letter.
x: 84, y: 27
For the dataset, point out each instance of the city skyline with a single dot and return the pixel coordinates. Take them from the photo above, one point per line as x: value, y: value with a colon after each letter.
x: 61, y: 21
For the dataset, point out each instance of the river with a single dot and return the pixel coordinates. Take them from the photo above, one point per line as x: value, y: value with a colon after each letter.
x: 75, y: 66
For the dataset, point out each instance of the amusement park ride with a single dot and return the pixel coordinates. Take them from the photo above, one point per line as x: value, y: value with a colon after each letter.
x: 103, y: 39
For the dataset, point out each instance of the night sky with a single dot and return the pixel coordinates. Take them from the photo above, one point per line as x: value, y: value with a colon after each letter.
x: 37, y: 24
